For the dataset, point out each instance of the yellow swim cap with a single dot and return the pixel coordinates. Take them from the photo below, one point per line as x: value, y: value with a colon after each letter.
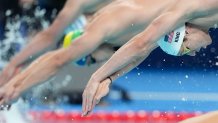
x: 71, y: 36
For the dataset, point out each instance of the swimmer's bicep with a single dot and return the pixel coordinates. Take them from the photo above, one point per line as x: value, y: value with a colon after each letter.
x: 126, y: 69
x: 162, y: 25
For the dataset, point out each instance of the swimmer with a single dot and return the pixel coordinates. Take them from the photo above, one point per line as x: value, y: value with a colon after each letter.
x: 201, y: 14
x: 71, y: 11
x: 113, y: 25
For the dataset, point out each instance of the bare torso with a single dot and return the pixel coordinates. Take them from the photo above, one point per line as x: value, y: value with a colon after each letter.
x: 133, y: 16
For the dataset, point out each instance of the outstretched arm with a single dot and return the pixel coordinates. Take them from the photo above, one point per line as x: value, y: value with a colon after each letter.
x: 140, y: 46
x: 102, y: 88
x: 143, y: 43
x: 48, y: 64
x: 44, y: 39
x: 45, y: 67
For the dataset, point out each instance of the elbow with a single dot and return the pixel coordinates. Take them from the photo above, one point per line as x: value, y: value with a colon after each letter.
x: 59, y: 61
x: 55, y: 60
x: 144, y: 46
x: 46, y: 36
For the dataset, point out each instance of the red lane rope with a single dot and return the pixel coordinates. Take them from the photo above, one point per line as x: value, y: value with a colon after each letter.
x: 139, y: 116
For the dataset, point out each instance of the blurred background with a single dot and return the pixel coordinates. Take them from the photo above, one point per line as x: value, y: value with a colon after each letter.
x: 162, y: 89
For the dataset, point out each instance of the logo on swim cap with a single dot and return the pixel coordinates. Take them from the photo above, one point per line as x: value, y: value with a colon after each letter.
x: 172, y: 42
x: 168, y: 38
x: 177, y: 36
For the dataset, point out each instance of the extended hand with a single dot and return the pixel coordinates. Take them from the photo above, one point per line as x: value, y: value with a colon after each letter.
x: 8, y: 73
x: 92, y: 94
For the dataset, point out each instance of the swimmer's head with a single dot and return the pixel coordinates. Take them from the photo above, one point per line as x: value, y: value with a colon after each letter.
x: 194, y: 40
x: 186, y: 40
x: 172, y: 43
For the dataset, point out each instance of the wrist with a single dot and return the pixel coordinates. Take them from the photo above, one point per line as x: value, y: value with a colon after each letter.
x: 13, y: 63
x: 111, y: 80
x: 95, y: 78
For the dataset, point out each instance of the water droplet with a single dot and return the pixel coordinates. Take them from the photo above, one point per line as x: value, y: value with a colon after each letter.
x: 212, y: 50
x: 8, y: 13
x: 215, y: 25
x: 184, y: 99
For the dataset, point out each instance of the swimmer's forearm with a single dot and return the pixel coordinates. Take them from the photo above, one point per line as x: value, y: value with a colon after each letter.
x: 126, y: 69
x: 35, y: 46
x: 37, y: 77
x: 126, y: 55
x: 40, y: 70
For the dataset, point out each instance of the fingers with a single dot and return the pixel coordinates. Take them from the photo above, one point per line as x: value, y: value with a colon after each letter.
x: 88, y: 100
x: 3, y: 105
x: 8, y: 73
x: 88, y: 97
x: 2, y: 94
x: 7, y: 94
x: 4, y: 77
x: 102, y: 91
x: 92, y: 98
